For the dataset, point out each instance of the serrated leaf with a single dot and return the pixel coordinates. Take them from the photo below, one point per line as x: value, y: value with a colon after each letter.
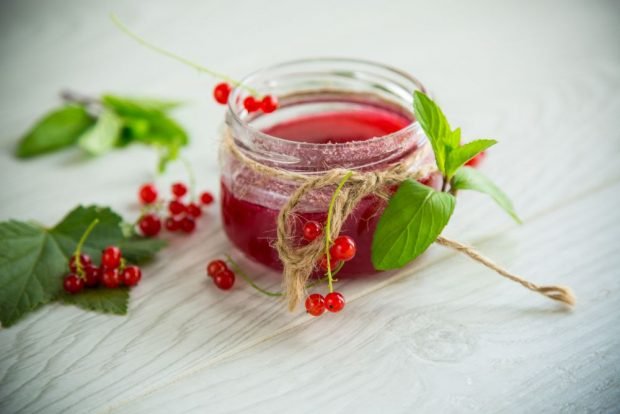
x: 413, y: 219
x: 458, y: 156
x: 467, y: 178
x: 139, y: 249
x: 435, y: 125
x: 56, y: 130
x: 31, y: 263
x: 103, y: 136
x: 138, y: 107
x: 102, y: 300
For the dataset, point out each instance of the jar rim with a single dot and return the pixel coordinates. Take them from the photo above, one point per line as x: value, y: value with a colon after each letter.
x: 238, y: 90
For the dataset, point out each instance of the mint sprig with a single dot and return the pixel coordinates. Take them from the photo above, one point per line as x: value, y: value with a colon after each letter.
x: 34, y: 259
x: 416, y: 215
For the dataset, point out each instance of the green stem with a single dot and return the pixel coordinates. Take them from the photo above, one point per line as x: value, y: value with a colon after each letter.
x: 78, y: 248
x: 328, y: 227
x: 178, y: 58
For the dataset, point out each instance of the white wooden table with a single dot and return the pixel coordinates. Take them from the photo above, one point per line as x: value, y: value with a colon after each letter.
x: 444, y: 335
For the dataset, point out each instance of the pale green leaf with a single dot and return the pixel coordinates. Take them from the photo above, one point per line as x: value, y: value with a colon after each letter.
x: 103, y: 136
x: 434, y: 124
x: 458, y: 156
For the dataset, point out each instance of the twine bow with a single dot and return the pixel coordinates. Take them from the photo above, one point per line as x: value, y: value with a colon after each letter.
x: 299, y: 261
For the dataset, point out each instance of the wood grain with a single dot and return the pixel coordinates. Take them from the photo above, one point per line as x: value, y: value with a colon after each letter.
x: 542, y: 77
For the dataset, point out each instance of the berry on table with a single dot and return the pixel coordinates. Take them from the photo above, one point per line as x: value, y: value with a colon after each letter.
x: 110, y: 278
x: 333, y: 263
x: 131, y: 275
x: 172, y: 224
x: 193, y: 210
x: 334, y: 302
x: 73, y: 284
x: 111, y: 257
x: 216, y: 266
x: 251, y: 104
x: 175, y: 207
x: 474, y: 162
x: 150, y: 225
x: 343, y: 248
x: 315, y: 304
x: 179, y: 189
x: 224, y: 279
x: 188, y: 225
x: 147, y: 194
x: 84, y: 262
x: 206, y: 198
x: 269, y: 104
x: 221, y: 92
x: 311, y: 230
x: 92, y: 276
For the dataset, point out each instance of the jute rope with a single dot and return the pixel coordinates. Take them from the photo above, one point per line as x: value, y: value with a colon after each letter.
x: 299, y: 261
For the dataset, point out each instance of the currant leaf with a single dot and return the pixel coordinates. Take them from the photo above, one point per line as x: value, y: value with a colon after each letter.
x: 101, y: 300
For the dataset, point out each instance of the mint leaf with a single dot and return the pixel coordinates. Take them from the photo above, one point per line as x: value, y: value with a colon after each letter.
x: 31, y: 265
x: 102, y: 300
x: 56, y: 130
x: 102, y: 137
x: 458, y: 156
x: 413, y: 219
x: 435, y: 125
x: 33, y: 260
x: 467, y: 178
x: 140, y: 107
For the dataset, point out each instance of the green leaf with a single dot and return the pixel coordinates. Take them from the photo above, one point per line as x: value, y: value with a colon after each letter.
x: 458, y: 156
x: 33, y: 260
x: 137, y: 107
x: 102, y: 300
x: 31, y: 265
x: 467, y: 178
x: 435, y: 125
x: 413, y: 219
x: 103, y: 136
x: 56, y: 130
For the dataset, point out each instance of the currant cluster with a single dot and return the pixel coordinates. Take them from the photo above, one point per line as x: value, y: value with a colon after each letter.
x: 268, y: 104
x: 181, y: 216
x: 342, y: 249
x: 222, y: 276
x: 112, y: 273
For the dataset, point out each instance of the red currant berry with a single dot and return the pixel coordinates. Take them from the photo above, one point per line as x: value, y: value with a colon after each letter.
x: 251, y: 104
x: 176, y: 208
x: 84, y: 261
x: 474, y: 162
x: 334, y: 302
x: 224, y: 279
x: 150, y: 225
x: 206, y: 198
x: 194, y: 210
x: 111, y: 257
x: 216, y: 266
x: 93, y: 276
x: 315, y: 304
x: 110, y: 278
x: 221, y: 93
x: 179, y: 189
x: 172, y: 224
x: 147, y: 194
x: 333, y: 263
x: 269, y: 104
x: 343, y: 248
x: 73, y: 284
x: 311, y: 230
x: 188, y: 225
x: 131, y: 275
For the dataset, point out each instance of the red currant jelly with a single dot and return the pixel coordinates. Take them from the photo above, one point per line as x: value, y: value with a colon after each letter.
x: 354, y: 115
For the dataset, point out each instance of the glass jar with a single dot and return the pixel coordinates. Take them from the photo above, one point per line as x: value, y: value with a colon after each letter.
x: 333, y: 113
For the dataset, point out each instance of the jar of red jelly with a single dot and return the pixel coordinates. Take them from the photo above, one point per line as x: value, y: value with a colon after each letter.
x: 333, y: 113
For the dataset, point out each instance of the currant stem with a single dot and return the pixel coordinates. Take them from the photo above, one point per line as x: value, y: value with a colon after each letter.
x: 328, y: 226
x: 178, y: 58
x: 78, y: 248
